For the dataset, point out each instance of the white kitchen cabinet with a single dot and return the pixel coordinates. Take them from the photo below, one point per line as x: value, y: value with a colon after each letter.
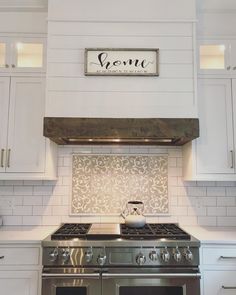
x: 22, y: 55
x: 218, y: 268
x: 217, y: 57
x: 212, y: 155
x: 19, y: 269
x: 19, y: 282
x: 25, y: 153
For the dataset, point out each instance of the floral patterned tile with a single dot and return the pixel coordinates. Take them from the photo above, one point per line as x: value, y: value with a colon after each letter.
x: 103, y: 184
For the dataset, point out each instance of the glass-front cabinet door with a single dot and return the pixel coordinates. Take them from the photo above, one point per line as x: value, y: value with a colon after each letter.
x: 22, y: 55
x: 4, y: 54
x: 28, y: 55
x: 214, y: 57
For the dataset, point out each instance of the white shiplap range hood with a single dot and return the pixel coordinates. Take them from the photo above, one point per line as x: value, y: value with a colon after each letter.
x: 130, y: 110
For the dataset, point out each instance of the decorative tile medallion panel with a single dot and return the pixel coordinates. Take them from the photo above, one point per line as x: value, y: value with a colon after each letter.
x: 103, y: 184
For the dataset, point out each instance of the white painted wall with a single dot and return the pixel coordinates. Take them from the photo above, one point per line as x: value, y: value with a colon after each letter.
x: 77, y: 24
x: 23, y: 22
x: 122, y: 10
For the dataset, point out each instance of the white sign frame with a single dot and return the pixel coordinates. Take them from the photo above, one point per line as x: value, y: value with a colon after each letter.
x: 121, y: 62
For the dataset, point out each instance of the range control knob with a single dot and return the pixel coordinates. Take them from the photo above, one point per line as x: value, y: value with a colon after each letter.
x: 88, y: 255
x: 101, y: 260
x: 53, y: 255
x: 65, y: 254
x: 188, y: 255
x: 140, y: 259
x: 165, y: 255
x: 177, y: 255
x: 153, y: 255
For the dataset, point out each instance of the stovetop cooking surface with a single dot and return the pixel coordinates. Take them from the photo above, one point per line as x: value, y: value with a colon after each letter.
x: 168, y: 231
x: 150, y: 231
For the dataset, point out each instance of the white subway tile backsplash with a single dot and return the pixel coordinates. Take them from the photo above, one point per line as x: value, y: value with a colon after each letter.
x: 61, y: 190
x: 42, y: 190
x: 23, y: 190
x: 42, y: 210
x: 6, y: 190
x: 197, y: 211
x: 22, y: 210
x: 52, y: 200
x: 216, y: 211
x: 33, y: 200
x: 64, y: 171
x: 172, y: 162
x: 13, y: 220
x: 209, y: 201
x: 216, y: 191
x: 60, y: 210
x: 226, y: 221
x: 32, y: 220
x: 47, y: 202
x: 231, y: 191
x: 226, y: 201
x: 51, y: 220
x: 231, y: 211
x: 188, y: 220
x: 179, y: 211
x: 207, y: 221
x: 196, y: 191
x: 175, y: 171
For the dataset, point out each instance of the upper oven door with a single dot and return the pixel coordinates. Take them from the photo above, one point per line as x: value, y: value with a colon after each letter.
x: 66, y: 281
x: 150, y: 282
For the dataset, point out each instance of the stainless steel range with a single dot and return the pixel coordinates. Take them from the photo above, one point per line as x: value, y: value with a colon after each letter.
x: 113, y: 259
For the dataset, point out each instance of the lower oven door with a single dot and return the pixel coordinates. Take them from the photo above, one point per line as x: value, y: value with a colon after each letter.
x: 66, y: 281
x: 150, y: 282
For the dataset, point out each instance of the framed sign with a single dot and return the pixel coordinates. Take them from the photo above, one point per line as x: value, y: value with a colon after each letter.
x: 121, y: 62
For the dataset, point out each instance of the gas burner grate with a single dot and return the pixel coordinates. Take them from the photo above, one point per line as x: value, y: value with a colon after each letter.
x: 71, y: 230
x: 168, y: 231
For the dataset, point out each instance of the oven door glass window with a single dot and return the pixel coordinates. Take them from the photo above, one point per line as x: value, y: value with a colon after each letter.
x: 151, y: 290
x: 71, y: 291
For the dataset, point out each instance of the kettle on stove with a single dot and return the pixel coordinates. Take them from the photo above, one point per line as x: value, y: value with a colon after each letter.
x: 133, y: 214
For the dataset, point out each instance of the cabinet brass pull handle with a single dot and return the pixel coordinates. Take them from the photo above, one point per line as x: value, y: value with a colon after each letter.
x: 6, y: 66
x: 2, y: 257
x: 232, y: 159
x: 13, y: 66
x: 228, y: 68
x: 228, y: 287
x: 2, y: 157
x: 234, y: 68
x: 8, y: 158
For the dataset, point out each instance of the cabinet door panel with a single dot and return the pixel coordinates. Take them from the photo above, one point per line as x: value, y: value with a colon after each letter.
x: 217, y: 282
x: 214, y: 57
x: 18, y: 282
x: 215, y: 145
x: 4, y: 54
x: 4, y: 103
x: 26, y: 144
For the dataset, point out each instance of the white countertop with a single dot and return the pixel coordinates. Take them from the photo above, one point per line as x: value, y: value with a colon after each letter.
x: 213, y: 235
x: 35, y: 234
x: 24, y: 234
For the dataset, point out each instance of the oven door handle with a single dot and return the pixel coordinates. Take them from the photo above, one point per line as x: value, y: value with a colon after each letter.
x: 71, y: 275
x: 150, y: 275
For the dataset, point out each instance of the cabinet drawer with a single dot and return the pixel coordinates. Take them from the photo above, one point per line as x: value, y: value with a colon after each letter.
x: 19, y: 256
x: 219, y: 282
x: 219, y: 256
